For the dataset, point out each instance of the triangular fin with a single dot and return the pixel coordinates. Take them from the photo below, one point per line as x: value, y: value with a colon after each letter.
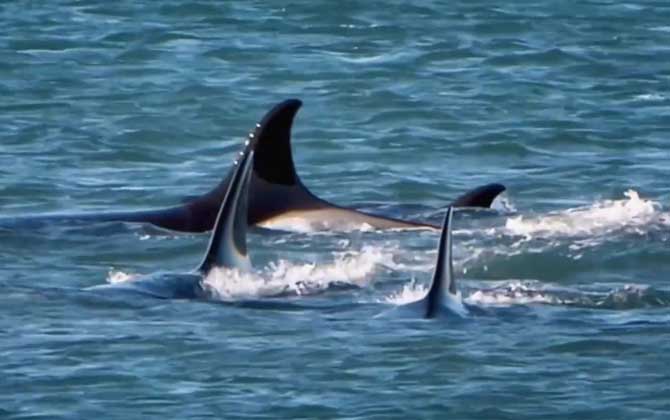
x: 228, y: 241
x: 444, y: 283
x: 273, y: 161
x: 271, y: 142
x: 481, y: 196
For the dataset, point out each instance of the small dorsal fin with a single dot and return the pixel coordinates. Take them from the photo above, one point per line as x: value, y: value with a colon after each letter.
x: 481, y: 196
x: 444, y: 283
x: 228, y: 241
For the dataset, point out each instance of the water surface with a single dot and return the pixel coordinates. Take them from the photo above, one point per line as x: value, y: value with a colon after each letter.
x: 127, y: 105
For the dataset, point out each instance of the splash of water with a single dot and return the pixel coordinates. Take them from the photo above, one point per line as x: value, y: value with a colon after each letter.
x: 117, y: 276
x: 410, y: 292
x: 514, y: 292
x: 352, y: 269
x: 503, y: 204
x: 600, y: 218
x: 414, y: 292
x: 348, y: 270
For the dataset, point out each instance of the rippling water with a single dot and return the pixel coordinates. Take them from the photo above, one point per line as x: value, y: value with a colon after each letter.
x: 127, y: 105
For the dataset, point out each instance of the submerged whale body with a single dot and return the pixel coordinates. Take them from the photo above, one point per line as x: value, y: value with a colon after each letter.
x: 276, y: 193
x: 227, y: 246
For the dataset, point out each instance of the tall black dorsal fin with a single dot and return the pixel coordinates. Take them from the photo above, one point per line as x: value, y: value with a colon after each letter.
x: 271, y: 142
x: 443, y: 283
x: 273, y: 160
x: 228, y: 242
x: 273, y: 134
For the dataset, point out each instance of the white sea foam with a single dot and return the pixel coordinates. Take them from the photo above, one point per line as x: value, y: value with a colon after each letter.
x: 504, y: 294
x: 606, y: 296
x: 413, y: 292
x: 513, y: 292
x: 117, y: 276
x: 531, y: 292
x: 654, y: 97
x: 503, y: 204
x: 348, y: 269
x: 596, y: 219
x: 410, y: 292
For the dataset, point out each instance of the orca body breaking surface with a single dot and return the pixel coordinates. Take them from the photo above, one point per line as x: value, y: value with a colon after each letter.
x: 227, y: 247
x: 443, y: 293
x: 277, y: 196
x: 443, y: 297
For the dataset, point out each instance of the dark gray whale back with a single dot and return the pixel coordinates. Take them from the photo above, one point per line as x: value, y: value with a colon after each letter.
x: 227, y: 246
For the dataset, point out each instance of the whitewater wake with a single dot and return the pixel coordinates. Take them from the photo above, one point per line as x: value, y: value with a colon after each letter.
x: 600, y: 218
x: 518, y: 292
x: 351, y: 269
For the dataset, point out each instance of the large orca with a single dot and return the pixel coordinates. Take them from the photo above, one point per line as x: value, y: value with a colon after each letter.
x: 443, y: 296
x: 277, y: 196
x: 227, y: 246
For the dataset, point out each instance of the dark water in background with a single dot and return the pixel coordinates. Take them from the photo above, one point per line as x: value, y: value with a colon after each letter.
x: 126, y: 105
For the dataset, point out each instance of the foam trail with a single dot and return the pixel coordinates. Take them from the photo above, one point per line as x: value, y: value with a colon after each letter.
x: 117, y: 276
x: 410, y: 292
x: 414, y: 292
x: 596, y: 296
x: 515, y: 292
x: 350, y: 269
x: 600, y: 218
x: 503, y: 204
x: 530, y: 292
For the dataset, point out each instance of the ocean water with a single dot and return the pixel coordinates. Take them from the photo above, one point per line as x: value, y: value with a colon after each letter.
x: 135, y: 104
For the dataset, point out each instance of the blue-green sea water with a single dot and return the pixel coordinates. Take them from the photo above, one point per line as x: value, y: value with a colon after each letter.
x: 129, y: 105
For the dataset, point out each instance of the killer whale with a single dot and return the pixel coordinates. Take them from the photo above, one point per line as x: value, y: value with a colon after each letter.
x: 443, y: 297
x: 276, y: 193
x: 443, y: 293
x: 227, y: 246
x: 279, y: 195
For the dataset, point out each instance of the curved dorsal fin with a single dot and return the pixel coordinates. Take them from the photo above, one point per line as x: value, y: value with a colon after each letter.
x: 481, y: 196
x: 273, y: 160
x: 228, y: 241
x: 276, y: 189
x: 443, y: 283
